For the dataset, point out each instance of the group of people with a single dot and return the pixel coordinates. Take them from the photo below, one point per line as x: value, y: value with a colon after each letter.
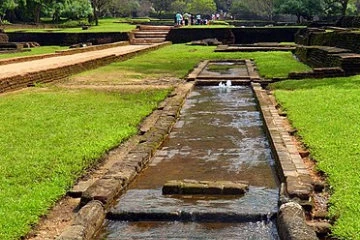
x: 187, y: 19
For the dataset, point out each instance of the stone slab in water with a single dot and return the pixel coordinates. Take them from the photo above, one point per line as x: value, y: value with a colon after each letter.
x: 204, y: 187
x: 258, y: 202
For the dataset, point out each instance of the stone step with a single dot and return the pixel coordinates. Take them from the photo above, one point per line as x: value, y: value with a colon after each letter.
x: 151, y: 32
x: 154, y: 28
x: 147, y: 40
x: 149, y: 35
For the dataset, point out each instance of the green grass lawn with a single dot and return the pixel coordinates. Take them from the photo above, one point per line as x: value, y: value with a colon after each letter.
x: 105, y: 25
x: 34, y: 51
x: 48, y: 138
x: 178, y: 59
x: 326, y: 114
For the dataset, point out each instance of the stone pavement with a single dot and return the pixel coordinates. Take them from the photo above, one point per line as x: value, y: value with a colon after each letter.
x: 19, y: 75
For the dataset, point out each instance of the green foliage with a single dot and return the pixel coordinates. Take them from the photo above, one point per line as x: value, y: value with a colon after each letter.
x: 326, y: 114
x: 76, y: 9
x: 48, y: 138
x: 300, y: 8
x: 6, y: 5
x: 202, y: 6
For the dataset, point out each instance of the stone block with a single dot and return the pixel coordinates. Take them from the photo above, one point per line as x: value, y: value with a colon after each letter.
x: 103, y: 190
x: 191, y: 187
x: 86, y: 222
x: 292, y: 225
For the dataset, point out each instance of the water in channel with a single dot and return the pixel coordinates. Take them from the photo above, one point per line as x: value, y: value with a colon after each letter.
x: 219, y: 136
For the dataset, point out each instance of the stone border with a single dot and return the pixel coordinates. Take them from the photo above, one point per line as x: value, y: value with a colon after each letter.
x: 104, y: 191
x: 293, y: 170
x: 297, y: 185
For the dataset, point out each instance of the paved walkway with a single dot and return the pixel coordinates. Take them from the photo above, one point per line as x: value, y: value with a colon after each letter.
x: 21, y: 74
x: 22, y: 68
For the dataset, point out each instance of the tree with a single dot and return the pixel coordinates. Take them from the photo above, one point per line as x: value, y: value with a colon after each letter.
x: 202, y: 6
x: 161, y: 6
x: 98, y: 6
x: 300, y: 8
x: 223, y: 5
x: 6, y: 5
x: 333, y: 6
x: 263, y: 8
x: 179, y: 6
x: 76, y: 10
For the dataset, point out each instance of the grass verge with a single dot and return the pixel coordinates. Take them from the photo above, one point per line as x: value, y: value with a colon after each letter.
x: 48, y: 138
x: 34, y: 51
x: 105, y: 25
x: 326, y: 114
x: 178, y: 59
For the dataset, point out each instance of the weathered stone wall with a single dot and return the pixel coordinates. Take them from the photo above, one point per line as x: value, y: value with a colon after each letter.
x: 241, y: 35
x: 4, y: 38
x: 67, y: 39
x: 340, y: 39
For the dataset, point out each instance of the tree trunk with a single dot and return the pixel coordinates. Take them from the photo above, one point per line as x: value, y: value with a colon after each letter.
x: 95, y: 12
x: 36, y: 12
x: 344, y: 4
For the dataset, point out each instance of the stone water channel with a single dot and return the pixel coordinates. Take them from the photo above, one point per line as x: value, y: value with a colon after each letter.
x: 218, y: 137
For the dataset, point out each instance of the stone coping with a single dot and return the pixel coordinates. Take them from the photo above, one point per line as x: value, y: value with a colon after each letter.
x: 291, y: 167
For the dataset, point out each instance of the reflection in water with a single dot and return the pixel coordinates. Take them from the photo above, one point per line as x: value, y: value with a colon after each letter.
x: 219, y: 136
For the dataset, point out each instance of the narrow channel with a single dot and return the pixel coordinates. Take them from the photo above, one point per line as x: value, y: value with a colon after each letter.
x: 218, y: 137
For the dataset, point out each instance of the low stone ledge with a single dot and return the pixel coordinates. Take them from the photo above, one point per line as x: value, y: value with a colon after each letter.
x: 292, y: 169
x: 86, y: 223
x: 204, y: 187
x: 292, y: 225
x: 103, y: 190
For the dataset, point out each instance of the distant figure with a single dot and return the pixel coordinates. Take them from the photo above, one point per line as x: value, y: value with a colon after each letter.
x: 186, y: 18
x: 198, y: 19
x: 192, y: 19
x: 179, y: 19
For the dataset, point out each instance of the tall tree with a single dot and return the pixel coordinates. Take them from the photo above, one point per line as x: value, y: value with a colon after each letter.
x: 202, y: 6
x: 6, y: 5
x: 223, y: 5
x: 161, y: 6
x: 300, y: 8
x: 98, y: 6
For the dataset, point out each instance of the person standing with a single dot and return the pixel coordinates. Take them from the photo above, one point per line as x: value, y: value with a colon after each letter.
x: 179, y: 19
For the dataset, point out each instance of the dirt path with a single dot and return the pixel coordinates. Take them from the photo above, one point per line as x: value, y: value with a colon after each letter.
x: 22, y: 68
